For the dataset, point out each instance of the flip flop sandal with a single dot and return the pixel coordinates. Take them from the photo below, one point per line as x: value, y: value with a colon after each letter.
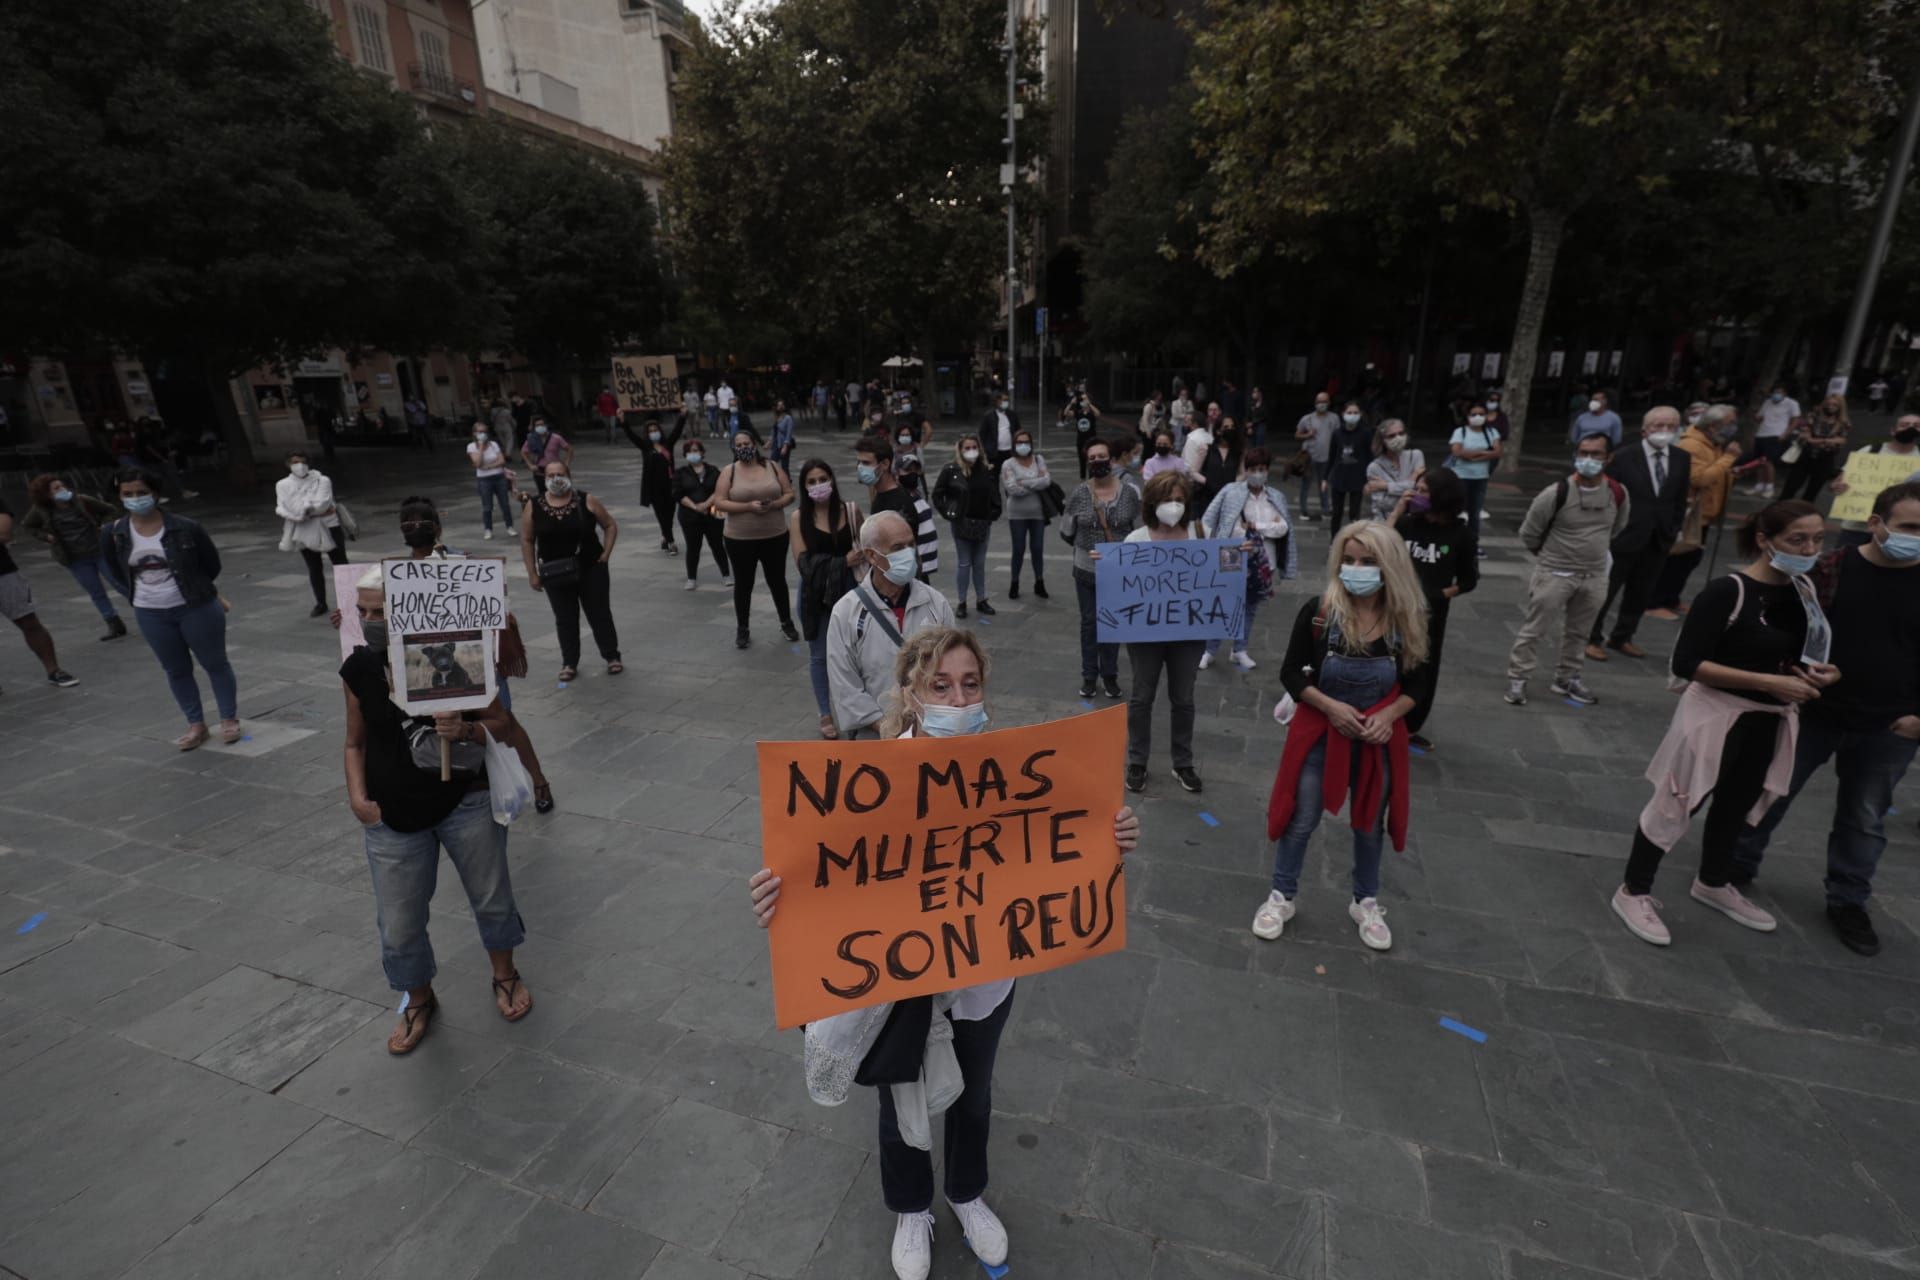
x: 507, y: 986
x: 567, y: 675
x: 415, y: 1020
x: 615, y: 668
x: 828, y: 729
x: 543, y: 799
x: 193, y: 737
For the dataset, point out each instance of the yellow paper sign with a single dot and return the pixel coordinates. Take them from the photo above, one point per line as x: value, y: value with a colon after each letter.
x: 646, y: 384
x: 1867, y: 474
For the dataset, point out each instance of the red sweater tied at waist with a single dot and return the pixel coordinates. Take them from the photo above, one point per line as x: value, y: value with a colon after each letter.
x: 1355, y: 772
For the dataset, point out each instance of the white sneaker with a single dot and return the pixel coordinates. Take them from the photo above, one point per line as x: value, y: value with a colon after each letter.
x: 1243, y: 660
x: 985, y: 1236
x: 913, y: 1246
x: 1206, y: 660
x: 1271, y: 919
x: 487, y: 536
x: 692, y: 585
x: 727, y: 581
x: 1372, y: 919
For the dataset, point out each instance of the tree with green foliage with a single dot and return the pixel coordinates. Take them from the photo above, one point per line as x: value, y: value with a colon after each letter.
x: 1530, y: 107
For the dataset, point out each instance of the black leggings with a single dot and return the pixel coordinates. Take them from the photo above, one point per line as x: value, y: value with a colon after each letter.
x: 695, y: 527
x: 1744, y: 762
x: 663, y: 512
x: 591, y: 592
x: 1436, y: 641
x: 770, y: 556
x: 1349, y: 502
x: 336, y: 553
x: 1813, y: 473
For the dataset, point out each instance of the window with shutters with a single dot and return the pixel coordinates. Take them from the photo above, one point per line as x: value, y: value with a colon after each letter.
x: 433, y: 62
x: 369, y: 33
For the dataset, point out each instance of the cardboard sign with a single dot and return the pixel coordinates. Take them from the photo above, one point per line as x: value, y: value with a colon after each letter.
x: 647, y: 384
x: 442, y: 619
x: 1189, y: 589
x: 921, y: 865
x: 346, y: 600
x: 1866, y: 475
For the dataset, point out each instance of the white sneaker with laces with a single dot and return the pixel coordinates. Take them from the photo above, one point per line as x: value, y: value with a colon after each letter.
x: 727, y: 581
x: 1640, y: 912
x: 692, y: 585
x: 1372, y: 919
x: 1206, y: 660
x: 1243, y: 660
x: 913, y: 1246
x: 985, y: 1236
x: 1271, y: 919
x: 487, y: 536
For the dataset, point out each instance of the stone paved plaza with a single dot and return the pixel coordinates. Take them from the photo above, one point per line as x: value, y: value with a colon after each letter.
x: 193, y: 1080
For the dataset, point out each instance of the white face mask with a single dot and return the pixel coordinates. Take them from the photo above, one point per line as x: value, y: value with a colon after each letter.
x: 1659, y: 439
x: 1169, y: 513
x: 1395, y: 444
x: 1493, y: 406
x: 1593, y: 406
x: 1321, y: 408
x: 1477, y: 420
x: 299, y: 470
x: 970, y: 455
x: 1351, y: 419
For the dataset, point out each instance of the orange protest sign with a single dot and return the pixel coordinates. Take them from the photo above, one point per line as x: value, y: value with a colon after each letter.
x: 923, y: 865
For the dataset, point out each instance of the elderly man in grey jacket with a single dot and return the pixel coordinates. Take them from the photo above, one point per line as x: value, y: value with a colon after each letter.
x: 871, y: 621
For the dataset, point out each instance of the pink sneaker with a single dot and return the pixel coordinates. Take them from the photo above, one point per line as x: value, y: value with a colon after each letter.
x: 1372, y: 919
x: 1641, y: 914
x: 1730, y: 902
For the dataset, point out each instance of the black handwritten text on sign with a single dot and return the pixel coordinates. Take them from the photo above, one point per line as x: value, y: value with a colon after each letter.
x: 1184, y: 589
x: 646, y: 384
x: 445, y: 595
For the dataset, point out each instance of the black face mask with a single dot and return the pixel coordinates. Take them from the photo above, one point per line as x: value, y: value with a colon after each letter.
x: 418, y: 536
x: 375, y: 634
x: 1163, y: 449
x: 1907, y: 436
x: 1100, y: 469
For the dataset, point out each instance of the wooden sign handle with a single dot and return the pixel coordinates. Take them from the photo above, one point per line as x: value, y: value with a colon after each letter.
x: 446, y: 761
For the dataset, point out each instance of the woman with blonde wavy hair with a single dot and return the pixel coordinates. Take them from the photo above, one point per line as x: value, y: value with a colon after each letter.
x: 1356, y: 666
x: 941, y: 693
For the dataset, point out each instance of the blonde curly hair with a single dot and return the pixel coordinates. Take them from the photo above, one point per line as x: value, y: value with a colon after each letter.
x: 913, y: 671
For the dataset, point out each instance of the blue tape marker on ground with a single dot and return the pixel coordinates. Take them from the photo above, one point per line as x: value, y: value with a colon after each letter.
x: 985, y: 622
x: 561, y: 685
x: 33, y: 922
x: 797, y: 648
x: 246, y: 737
x: 992, y: 1271
x: 1086, y: 704
x: 1209, y: 819
x: 1461, y: 1028
x: 1577, y: 706
x: 1413, y: 750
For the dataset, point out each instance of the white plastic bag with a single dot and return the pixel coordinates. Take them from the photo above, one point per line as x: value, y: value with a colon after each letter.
x: 507, y: 780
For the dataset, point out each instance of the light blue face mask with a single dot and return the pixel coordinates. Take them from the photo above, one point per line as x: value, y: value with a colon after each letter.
x: 1360, y: 579
x: 139, y: 506
x: 1902, y: 548
x: 1589, y: 466
x: 953, y: 722
x: 901, y: 565
x: 867, y: 474
x: 1791, y: 565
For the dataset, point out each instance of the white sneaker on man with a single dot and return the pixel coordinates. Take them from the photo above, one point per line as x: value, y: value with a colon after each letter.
x: 913, y: 1246
x: 985, y: 1236
x: 1271, y: 919
x: 1243, y: 660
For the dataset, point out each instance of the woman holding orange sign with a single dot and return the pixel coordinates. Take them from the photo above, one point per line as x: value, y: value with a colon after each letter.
x: 942, y: 683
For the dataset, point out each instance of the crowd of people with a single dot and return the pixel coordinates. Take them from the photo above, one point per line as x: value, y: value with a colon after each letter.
x: 1804, y: 654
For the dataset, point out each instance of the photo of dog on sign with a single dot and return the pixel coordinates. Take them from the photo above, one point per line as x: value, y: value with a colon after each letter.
x: 445, y: 664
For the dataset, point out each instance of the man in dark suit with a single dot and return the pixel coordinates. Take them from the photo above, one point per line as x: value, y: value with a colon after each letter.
x: 997, y: 428
x: 1657, y: 478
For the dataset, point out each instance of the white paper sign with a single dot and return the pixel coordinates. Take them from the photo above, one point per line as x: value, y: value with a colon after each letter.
x: 443, y: 617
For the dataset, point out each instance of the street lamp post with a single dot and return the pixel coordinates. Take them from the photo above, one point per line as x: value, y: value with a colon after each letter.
x: 1009, y: 176
x: 1877, y: 254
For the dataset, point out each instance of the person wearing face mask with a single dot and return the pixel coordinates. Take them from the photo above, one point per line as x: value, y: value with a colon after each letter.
x: 1868, y: 723
x: 560, y: 541
x: 693, y: 488
x: 166, y: 565
x: 544, y: 445
x: 938, y: 688
x: 906, y: 444
x: 870, y: 622
x: 1200, y: 439
x: 1349, y: 454
x: 1315, y: 432
x: 303, y: 499
x: 1180, y: 415
x: 780, y: 443
x: 1904, y: 443
x: 1709, y: 443
x: 1027, y: 488
x: 1474, y: 450
x: 998, y: 429
x: 1258, y: 418
x: 1221, y: 464
x: 1773, y: 419
x: 657, y: 485
x: 1165, y: 457
x: 1394, y: 470
x: 1153, y: 415
x: 1356, y: 666
x: 1754, y: 651
x: 1082, y: 417
x: 1102, y: 509
x: 1496, y: 416
x: 1445, y: 560
x: 1598, y: 419
x: 1168, y: 500
x: 490, y: 478
x: 822, y: 532
x: 967, y: 494
x: 1658, y: 479
x: 409, y: 815
x: 1821, y: 437
x: 69, y: 523
x: 753, y: 495
x: 1256, y: 512
x: 1568, y: 528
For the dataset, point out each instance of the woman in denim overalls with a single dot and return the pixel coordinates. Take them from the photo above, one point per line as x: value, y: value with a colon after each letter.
x: 1351, y: 648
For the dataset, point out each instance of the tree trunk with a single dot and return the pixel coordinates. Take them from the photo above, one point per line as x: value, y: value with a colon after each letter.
x: 929, y: 395
x: 1785, y: 323
x: 1549, y: 229
x: 241, y: 472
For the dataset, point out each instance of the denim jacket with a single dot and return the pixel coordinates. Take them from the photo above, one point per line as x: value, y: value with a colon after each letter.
x: 190, y: 554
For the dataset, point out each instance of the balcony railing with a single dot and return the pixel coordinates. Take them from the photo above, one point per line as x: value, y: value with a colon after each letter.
x: 438, y: 84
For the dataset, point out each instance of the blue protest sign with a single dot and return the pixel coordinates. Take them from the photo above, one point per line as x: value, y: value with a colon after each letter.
x: 1190, y: 589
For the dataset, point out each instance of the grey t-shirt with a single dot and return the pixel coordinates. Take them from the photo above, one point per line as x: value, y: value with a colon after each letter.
x: 1576, y: 538
x: 1322, y: 425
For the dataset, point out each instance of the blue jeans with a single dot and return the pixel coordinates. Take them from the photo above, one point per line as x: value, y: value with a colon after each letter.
x: 179, y: 635
x: 1316, y: 475
x: 406, y: 866
x: 1246, y: 628
x: 1097, y: 661
x: 1476, y: 498
x: 1869, y: 765
x: 816, y: 658
x: 87, y: 573
x: 494, y: 489
x: 972, y: 557
x: 1028, y: 533
x: 1290, y: 853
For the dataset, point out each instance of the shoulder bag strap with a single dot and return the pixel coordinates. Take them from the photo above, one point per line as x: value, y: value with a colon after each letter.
x: 880, y: 613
